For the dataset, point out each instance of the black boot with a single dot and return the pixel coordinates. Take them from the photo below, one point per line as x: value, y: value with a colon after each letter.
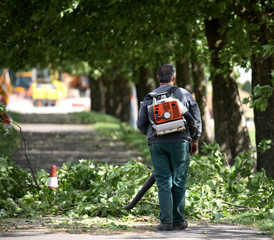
x: 181, y: 227
x: 165, y: 227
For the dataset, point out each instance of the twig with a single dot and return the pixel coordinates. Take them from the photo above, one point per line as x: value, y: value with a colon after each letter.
x: 241, y: 209
x: 231, y: 209
x: 239, y: 206
x: 26, y: 156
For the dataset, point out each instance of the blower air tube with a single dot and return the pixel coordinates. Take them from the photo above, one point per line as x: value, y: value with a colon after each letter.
x: 148, y: 184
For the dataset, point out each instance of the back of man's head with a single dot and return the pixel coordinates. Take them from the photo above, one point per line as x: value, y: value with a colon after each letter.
x: 166, y: 73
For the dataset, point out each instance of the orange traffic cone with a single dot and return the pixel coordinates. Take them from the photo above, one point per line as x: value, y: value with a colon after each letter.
x: 53, y: 181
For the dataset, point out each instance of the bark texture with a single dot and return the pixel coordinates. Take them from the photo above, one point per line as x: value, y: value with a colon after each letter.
x: 111, y: 95
x: 145, y: 83
x: 230, y: 127
x: 264, y: 121
x: 97, y: 95
x: 117, y: 93
x: 183, y: 78
x: 201, y: 98
x: 261, y: 73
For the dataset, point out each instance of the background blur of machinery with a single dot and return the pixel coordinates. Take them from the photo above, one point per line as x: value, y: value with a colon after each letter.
x: 5, y: 92
x: 23, y: 82
x: 43, y: 87
x: 79, y: 82
x: 46, y: 90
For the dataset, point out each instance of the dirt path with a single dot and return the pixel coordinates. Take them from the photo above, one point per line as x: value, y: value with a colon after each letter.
x: 58, y: 138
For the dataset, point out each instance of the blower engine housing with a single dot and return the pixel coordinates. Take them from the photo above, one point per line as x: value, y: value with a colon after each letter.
x: 166, y: 111
x: 166, y: 114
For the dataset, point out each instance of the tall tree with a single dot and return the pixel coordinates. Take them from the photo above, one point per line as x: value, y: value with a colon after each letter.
x: 258, y: 16
x: 230, y: 126
x: 97, y: 94
x: 183, y: 78
x: 144, y: 84
x: 200, y: 90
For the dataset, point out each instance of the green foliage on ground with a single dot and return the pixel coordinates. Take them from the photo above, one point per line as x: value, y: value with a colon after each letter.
x: 8, y: 140
x: 94, y: 117
x: 215, y: 191
x: 8, y: 144
x: 85, y: 188
x: 223, y: 193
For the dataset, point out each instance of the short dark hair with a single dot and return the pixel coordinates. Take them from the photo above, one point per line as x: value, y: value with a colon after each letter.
x: 166, y: 73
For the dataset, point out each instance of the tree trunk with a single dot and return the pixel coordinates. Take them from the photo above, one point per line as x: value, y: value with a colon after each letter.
x: 145, y: 84
x: 117, y: 92
x: 260, y: 36
x: 110, y: 95
x: 183, y: 74
x: 230, y: 127
x: 97, y: 95
x: 264, y: 121
x: 200, y: 91
x: 122, y: 103
x: 262, y: 66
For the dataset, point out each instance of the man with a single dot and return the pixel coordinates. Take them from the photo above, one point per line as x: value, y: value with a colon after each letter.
x: 170, y: 153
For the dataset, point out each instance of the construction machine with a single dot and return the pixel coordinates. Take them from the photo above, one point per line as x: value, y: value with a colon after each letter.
x: 23, y: 83
x: 5, y: 92
x: 46, y: 91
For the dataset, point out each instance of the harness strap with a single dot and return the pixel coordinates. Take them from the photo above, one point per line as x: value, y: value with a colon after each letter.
x: 170, y: 91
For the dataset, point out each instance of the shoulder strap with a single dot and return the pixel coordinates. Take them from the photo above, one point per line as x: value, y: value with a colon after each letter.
x: 147, y: 97
x: 170, y: 91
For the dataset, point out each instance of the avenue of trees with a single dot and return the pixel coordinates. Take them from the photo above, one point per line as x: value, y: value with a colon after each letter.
x: 120, y: 42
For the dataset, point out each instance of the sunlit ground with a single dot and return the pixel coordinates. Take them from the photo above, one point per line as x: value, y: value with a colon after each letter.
x: 24, y: 105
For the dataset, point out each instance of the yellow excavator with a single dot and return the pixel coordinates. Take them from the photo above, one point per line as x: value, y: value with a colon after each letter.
x: 22, y: 83
x: 46, y: 91
x: 5, y: 91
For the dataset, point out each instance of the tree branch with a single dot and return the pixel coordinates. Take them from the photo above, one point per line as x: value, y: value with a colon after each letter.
x: 25, y: 154
x: 239, y: 206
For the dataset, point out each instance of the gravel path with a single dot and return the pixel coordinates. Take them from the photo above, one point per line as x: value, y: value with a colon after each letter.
x: 58, y: 138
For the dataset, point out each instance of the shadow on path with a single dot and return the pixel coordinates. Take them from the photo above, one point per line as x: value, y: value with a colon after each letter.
x: 59, y: 138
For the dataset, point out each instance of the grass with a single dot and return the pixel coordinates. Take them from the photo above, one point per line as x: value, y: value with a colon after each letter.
x: 8, y: 144
x: 94, y: 117
x: 15, y: 116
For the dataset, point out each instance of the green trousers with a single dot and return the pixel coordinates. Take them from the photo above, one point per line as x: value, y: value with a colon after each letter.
x: 170, y: 161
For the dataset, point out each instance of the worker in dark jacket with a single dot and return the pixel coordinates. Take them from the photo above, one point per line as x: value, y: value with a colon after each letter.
x: 170, y: 153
